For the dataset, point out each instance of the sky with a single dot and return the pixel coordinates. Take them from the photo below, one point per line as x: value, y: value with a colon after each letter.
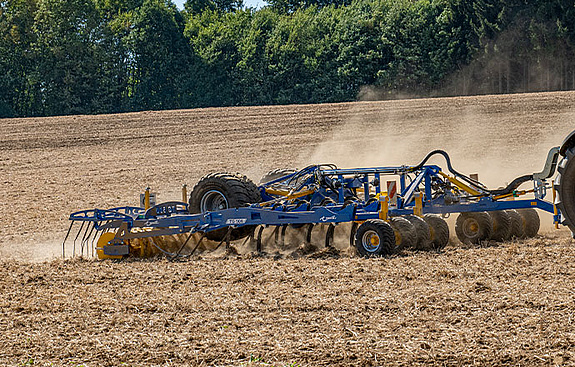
x: 247, y: 3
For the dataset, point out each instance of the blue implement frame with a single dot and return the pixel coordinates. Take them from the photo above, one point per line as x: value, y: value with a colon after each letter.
x: 323, y: 194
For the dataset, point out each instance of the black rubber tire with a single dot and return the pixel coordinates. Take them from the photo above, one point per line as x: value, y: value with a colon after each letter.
x: 274, y: 174
x: 565, y: 186
x: 405, y: 234
x: 253, y: 190
x: 238, y: 191
x: 473, y: 227
x: 517, y: 230
x: 438, y: 231
x: 501, y: 226
x: 352, y: 233
x: 379, y: 229
x: 531, y: 222
x: 423, y: 232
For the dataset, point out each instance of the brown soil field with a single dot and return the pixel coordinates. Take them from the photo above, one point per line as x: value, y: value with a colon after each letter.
x: 507, y: 304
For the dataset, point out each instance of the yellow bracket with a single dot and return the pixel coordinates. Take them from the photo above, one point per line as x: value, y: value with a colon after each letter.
x: 184, y: 193
x: 383, y: 193
x: 103, y: 241
x: 147, y: 199
x: 554, y: 206
x: 460, y: 184
x: 418, y: 209
x: 384, y: 210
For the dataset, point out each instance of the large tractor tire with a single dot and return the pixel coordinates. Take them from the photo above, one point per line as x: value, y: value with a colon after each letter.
x: 405, y: 234
x: 422, y: 230
x: 275, y: 174
x: 530, y: 222
x: 565, y: 186
x: 374, y: 237
x: 438, y: 230
x: 473, y: 227
x: 223, y: 190
x: 501, y: 226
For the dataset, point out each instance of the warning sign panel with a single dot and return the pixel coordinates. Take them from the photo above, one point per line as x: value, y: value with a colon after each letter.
x: 392, y: 193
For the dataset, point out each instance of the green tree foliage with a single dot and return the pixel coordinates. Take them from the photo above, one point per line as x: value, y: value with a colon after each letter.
x: 302, y: 56
x: 68, y: 61
x: 362, y: 53
x: 221, y: 6
x: 94, y: 56
x: 290, y: 6
x: 216, y: 40
x: 18, y: 96
x: 160, y: 56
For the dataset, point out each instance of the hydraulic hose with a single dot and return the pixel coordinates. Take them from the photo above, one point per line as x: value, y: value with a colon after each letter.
x: 507, y: 190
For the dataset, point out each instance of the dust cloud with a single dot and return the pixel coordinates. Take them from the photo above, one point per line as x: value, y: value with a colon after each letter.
x: 497, y: 149
x: 499, y: 143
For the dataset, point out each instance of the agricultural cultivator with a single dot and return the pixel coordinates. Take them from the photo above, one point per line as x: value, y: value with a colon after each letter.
x: 379, y: 210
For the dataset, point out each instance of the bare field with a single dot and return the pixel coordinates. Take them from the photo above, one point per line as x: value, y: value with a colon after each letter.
x: 510, y: 304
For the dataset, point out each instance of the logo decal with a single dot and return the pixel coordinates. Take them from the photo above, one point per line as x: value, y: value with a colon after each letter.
x: 325, y: 219
x: 236, y: 221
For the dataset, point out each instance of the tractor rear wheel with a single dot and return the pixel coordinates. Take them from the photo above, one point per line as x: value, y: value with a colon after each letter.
x: 374, y: 237
x: 565, y: 186
x: 223, y: 190
x: 473, y: 227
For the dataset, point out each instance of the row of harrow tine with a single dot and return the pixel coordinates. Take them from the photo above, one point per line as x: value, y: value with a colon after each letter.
x: 85, y: 238
x: 89, y: 232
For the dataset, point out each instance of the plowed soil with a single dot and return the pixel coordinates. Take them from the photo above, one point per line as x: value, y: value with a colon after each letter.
x: 507, y: 304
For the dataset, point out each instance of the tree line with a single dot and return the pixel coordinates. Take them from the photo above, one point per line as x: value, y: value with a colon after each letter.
x: 62, y: 57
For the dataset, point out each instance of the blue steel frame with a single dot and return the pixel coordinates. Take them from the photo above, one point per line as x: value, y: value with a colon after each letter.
x: 339, y: 185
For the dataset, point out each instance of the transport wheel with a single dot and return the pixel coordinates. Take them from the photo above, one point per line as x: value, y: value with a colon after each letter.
x: 501, y: 225
x: 565, y: 186
x: 531, y: 222
x: 517, y: 230
x: 223, y: 190
x: 473, y: 227
x: 274, y: 174
x: 405, y: 234
x: 438, y: 231
x: 252, y: 189
x: 374, y: 237
x: 423, y: 232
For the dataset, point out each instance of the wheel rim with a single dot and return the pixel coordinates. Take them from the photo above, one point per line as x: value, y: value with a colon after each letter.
x: 213, y: 200
x: 471, y: 228
x: 370, y: 241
